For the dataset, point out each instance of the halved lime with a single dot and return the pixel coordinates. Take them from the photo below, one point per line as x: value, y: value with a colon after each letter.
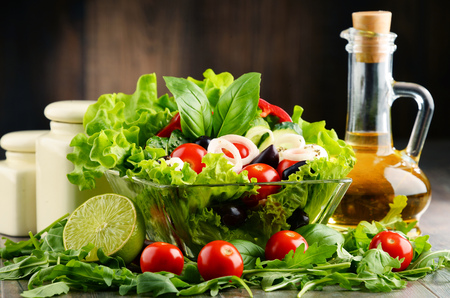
x: 109, y: 221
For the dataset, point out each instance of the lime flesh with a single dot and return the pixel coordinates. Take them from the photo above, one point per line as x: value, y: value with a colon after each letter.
x: 108, y: 221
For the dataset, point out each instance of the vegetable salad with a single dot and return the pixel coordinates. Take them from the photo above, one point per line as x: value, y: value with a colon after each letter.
x: 213, y: 131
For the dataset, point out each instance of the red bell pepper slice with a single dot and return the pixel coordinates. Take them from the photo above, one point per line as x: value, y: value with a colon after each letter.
x: 173, y: 124
x: 270, y: 109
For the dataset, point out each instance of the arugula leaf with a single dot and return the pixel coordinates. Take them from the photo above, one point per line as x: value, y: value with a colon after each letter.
x: 53, y: 240
x: 237, y: 106
x: 23, y: 266
x: 24, y: 248
x: 420, y: 245
x: 382, y: 282
x: 57, y: 288
x: 154, y: 283
x: 193, y: 105
x: 428, y: 258
x: 274, y: 282
x: 313, y: 255
x: 302, y: 259
x: 378, y: 262
x: 214, y: 285
x: 111, y: 262
x: 190, y: 273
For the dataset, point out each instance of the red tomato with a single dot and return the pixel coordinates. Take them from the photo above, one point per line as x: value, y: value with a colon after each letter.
x: 219, y: 258
x: 192, y: 154
x: 281, y: 243
x: 284, y: 164
x: 161, y: 256
x: 262, y: 173
x: 395, y: 245
x: 243, y: 151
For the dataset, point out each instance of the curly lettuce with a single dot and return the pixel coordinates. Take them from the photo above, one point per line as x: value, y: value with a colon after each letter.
x: 117, y: 126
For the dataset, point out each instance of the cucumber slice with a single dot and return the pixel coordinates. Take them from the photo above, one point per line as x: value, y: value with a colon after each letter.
x: 280, y: 130
x: 258, y: 133
x: 288, y: 127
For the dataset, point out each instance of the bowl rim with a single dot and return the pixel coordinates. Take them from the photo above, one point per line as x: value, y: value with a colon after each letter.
x: 281, y: 183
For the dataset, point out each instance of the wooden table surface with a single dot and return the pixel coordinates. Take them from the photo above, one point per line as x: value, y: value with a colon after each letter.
x: 435, y: 162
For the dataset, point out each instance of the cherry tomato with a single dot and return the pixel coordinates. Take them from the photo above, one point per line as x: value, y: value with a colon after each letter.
x: 284, y: 164
x: 219, y: 258
x: 161, y: 256
x: 262, y: 173
x: 192, y: 154
x: 395, y: 245
x: 243, y: 151
x: 281, y: 243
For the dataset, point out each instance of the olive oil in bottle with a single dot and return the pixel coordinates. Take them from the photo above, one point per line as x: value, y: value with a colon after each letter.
x: 381, y: 172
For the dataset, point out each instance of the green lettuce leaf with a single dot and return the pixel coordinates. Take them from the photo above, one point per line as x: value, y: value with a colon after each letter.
x: 118, y: 126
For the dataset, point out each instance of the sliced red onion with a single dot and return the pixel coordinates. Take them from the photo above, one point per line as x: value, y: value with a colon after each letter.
x: 307, y: 152
x: 217, y: 145
x: 319, y: 150
x: 288, y: 141
x: 253, y: 151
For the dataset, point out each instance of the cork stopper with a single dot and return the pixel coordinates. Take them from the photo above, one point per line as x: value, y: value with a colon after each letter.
x: 375, y: 48
x: 373, y: 21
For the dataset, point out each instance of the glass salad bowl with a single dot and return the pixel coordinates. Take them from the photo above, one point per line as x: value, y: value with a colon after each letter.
x: 191, y: 216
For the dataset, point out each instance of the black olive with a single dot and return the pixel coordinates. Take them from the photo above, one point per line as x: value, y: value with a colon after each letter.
x: 269, y: 156
x: 203, y: 141
x: 292, y: 169
x: 165, y: 157
x: 232, y: 215
x: 298, y: 219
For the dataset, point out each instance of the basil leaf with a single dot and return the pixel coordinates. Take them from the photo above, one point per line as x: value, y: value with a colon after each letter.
x: 237, y: 106
x: 214, y: 84
x: 249, y: 251
x: 193, y: 105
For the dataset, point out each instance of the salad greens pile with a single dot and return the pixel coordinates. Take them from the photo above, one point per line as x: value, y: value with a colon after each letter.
x: 121, y: 130
x: 331, y: 259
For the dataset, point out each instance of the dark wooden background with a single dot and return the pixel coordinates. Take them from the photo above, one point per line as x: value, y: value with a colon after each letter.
x: 74, y: 49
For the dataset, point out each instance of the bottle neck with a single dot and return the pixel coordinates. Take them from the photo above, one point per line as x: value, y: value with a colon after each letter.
x: 370, y: 92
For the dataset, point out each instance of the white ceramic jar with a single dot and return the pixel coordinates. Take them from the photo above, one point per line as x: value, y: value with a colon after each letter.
x: 55, y: 195
x: 17, y: 183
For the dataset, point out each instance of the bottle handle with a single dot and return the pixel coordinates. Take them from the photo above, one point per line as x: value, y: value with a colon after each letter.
x: 425, y: 111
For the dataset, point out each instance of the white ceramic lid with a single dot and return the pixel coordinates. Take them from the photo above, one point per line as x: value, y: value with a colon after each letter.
x: 21, y: 141
x: 69, y: 111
